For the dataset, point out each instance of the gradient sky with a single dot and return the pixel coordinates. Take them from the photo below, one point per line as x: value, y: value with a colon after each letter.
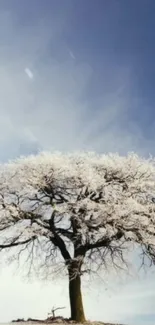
x: 77, y: 74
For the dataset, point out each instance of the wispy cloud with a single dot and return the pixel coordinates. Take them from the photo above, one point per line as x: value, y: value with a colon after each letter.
x: 29, y: 73
x: 71, y: 54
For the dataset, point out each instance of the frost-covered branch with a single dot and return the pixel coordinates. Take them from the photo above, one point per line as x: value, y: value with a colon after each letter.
x: 14, y: 243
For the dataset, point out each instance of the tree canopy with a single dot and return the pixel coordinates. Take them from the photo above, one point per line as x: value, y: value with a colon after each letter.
x: 78, y: 209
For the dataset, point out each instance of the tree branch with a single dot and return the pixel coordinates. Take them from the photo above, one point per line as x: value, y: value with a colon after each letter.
x: 13, y: 244
x: 104, y: 242
x: 57, y: 240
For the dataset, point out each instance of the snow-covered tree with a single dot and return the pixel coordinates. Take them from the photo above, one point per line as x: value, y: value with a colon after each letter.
x: 80, y: 210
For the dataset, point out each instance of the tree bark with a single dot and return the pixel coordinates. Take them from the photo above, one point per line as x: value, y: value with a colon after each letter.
x: 75, y: 296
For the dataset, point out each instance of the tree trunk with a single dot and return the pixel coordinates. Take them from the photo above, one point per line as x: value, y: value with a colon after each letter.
x: 75, y: 296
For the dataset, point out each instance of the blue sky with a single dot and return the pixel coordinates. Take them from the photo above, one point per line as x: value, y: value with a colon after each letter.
x: 78, y: 74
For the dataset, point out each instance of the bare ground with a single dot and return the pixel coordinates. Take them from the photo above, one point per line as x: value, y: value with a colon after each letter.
x: 55, y: 321
x: 43, y: 323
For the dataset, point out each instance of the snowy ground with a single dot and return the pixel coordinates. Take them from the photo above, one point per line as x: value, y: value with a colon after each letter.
x: 56, y: 323
x: 35, y: 323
